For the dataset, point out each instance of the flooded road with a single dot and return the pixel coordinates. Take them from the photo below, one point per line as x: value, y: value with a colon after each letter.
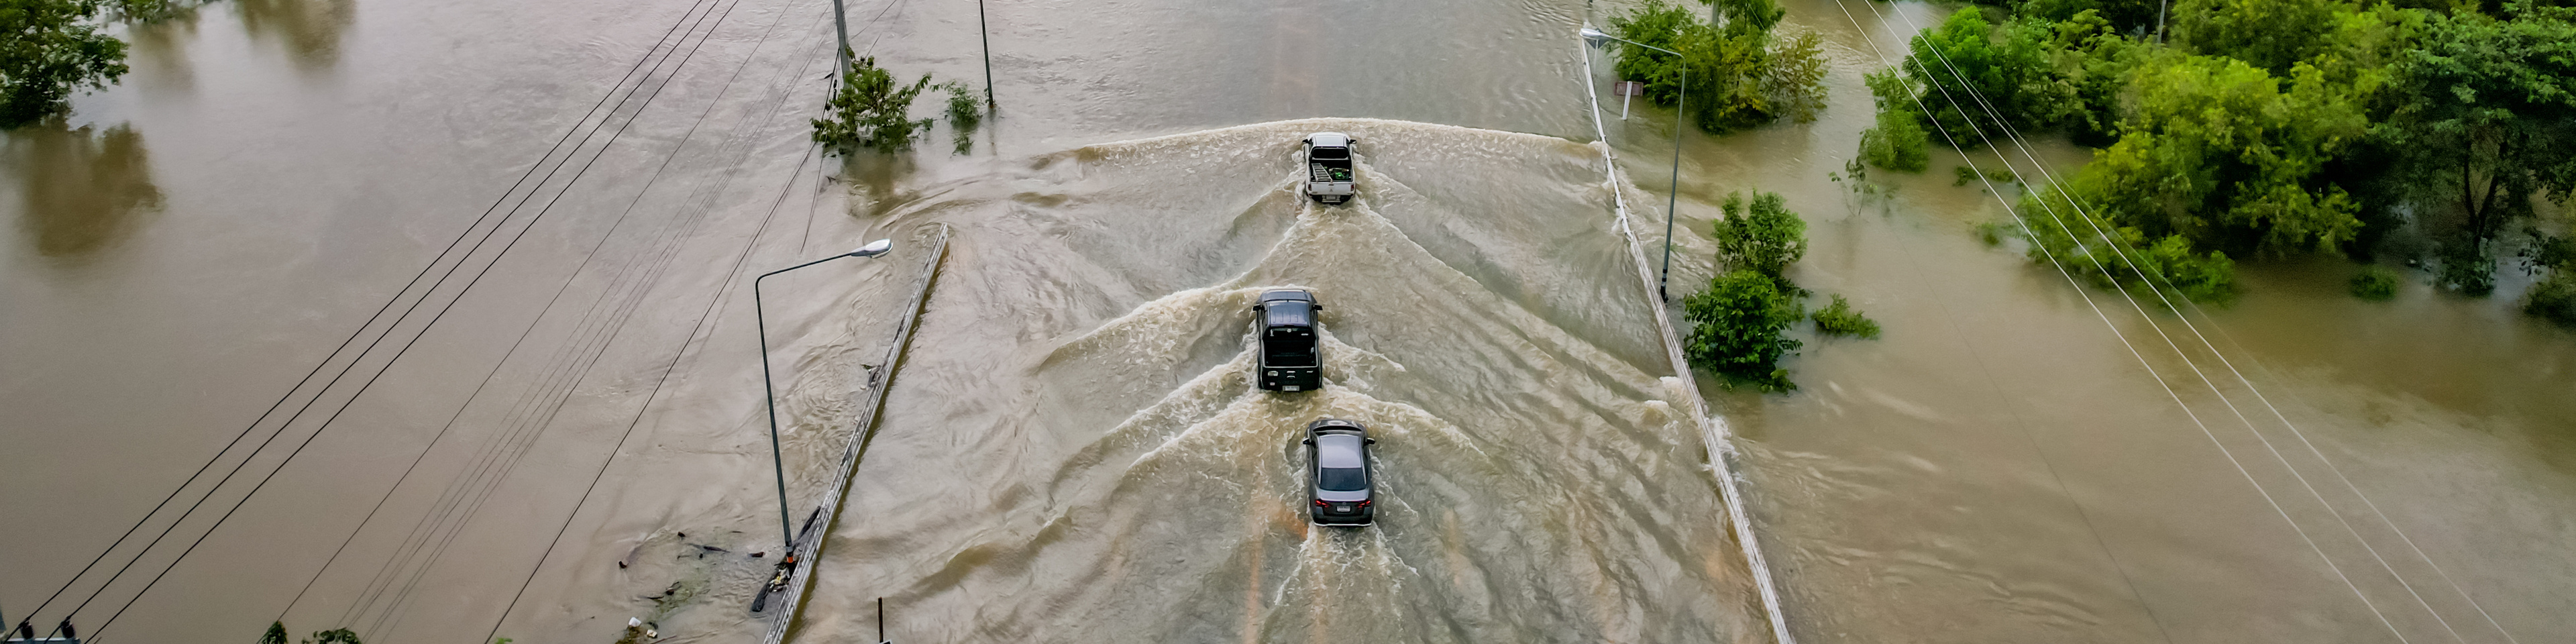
x: 1075, y: 450
x: 1071, y: 454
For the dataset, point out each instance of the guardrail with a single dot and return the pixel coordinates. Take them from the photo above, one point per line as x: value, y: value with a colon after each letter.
x: 1721, y: 452
x: 808, y: 549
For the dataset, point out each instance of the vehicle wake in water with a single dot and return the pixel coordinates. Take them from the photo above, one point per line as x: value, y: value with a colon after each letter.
x: 1075, y: 451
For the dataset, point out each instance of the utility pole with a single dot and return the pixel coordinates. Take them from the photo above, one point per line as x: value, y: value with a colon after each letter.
x: 986, y: 30
x: 841, y: 27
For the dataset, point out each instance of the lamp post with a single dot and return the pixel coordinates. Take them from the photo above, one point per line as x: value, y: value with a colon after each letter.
x: 1673, y: 196
x: 769, y: 393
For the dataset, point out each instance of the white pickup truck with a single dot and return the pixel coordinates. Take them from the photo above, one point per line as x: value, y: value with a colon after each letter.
x: 1328, y: 167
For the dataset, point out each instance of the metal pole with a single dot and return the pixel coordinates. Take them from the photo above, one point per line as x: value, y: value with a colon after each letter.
x: 986, y: 31
x: 769, y: 394
x: 1681, y: 112
x: 841, y: 26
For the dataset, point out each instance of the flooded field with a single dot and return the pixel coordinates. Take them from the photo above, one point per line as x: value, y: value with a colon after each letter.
x: 556, y: 425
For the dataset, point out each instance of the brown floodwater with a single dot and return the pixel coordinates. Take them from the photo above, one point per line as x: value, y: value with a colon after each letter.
x: 2001, y: 467
x: 1070, y: 453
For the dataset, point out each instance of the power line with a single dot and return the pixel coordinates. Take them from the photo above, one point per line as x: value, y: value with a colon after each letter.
x: 2053, y: 260
x: 2020, y: 142
x: 354, y: 335
x: 501, y: 463
x: 484, y: 271
x: 444, y: 430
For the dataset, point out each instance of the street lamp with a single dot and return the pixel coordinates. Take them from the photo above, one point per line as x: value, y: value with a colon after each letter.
x: 1594, y: 37
x: 777, y: 458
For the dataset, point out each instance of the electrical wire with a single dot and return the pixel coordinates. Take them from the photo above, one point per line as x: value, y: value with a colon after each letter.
x: 362, y: 327
x: 2170, y: 392
x: 308, y: 440
x: 2020, y: 142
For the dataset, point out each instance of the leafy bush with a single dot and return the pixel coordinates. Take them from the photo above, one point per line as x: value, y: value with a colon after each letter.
x: 1841, y: 319
x: 2375, y: 283
x: 1735, y: 329
x: 49, y: 49
x: 871, y: 111
x: 2554, y: 299
x: 1764, y: 238
x: 965, y: 113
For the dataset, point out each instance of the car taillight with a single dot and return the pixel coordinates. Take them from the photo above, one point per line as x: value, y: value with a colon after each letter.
x: 1363, y: 503
x: 1319, y: 503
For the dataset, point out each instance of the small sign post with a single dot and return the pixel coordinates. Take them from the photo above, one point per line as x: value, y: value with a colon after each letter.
x: 1627, y: 90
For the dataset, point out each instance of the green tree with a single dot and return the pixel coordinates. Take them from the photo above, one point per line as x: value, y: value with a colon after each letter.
x: 1764, y: 238
x: 1967, y: 70
x: 2270, y: 34
x: 276, y: 634
x: 1898, y: 142
x: 871, y: 111
x: 2218, y: 153
x: 49, y: 49
x: 1740, y: 76
x: 1735, y: 329
x: 2491, y: 120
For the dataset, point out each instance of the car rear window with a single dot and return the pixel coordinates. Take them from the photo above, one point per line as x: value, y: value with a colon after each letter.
x: 1332, y: 154
x: 1341, y: 479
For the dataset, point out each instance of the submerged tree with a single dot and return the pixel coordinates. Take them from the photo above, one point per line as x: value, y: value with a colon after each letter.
x: 2491, y: 118
x: 48, y: 50
x: 1764, y: 237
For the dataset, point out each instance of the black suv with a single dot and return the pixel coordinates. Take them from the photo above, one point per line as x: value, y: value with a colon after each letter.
x: 1290, y: 359
x: 1341, y: 493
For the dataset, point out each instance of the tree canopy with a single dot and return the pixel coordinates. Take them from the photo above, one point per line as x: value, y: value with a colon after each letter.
x: 1740, y: 74
x: 48, y: 50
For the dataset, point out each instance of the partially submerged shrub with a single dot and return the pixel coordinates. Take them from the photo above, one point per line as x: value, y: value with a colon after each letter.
x: 2554, y: 299
x: 965, y: 113
x: 1735, y: 329
x: 2375, y: 283
x: 1840, y: 318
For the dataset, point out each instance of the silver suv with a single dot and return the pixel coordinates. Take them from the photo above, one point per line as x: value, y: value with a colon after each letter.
x: 1342, y: 492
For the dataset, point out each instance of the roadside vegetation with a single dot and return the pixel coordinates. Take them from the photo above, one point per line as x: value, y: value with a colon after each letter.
x: 2257, y: 129
x: 1741, y: 73
x: 873, y: 111
x: 1737, y: 322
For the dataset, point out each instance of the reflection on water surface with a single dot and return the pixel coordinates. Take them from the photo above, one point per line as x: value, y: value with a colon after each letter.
x: 309, y: 29
x: 82, y: 189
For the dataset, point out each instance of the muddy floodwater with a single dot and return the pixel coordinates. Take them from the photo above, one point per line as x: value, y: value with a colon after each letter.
x: 472, y: 280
